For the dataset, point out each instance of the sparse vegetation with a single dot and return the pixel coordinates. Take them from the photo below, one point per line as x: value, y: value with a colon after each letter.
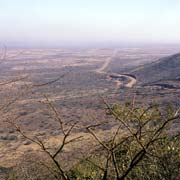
x: 142, y: 146
x: 111, y: 141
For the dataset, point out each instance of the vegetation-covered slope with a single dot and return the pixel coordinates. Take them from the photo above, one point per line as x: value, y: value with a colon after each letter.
x: 167, y: 68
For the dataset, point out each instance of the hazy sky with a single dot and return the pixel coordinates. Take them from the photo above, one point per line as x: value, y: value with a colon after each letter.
x: 63, y: 22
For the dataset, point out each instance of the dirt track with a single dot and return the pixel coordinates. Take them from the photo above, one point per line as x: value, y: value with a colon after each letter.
x: 131, y: 80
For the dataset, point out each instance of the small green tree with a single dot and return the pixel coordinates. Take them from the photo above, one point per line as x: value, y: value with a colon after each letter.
x: 143, y: 146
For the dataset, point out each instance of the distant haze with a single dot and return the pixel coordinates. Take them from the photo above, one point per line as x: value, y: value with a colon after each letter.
x: 89, y: 22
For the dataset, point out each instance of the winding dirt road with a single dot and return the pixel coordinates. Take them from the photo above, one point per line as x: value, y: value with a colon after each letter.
x: 117, y: 77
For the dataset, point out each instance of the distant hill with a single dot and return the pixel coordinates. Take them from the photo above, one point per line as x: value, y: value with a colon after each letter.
x: 164, y: 70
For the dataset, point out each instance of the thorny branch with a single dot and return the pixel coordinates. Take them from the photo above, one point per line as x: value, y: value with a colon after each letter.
x: 41, y: 144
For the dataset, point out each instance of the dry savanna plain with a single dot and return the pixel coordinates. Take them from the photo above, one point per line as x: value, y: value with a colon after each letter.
x: 75, y: 81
